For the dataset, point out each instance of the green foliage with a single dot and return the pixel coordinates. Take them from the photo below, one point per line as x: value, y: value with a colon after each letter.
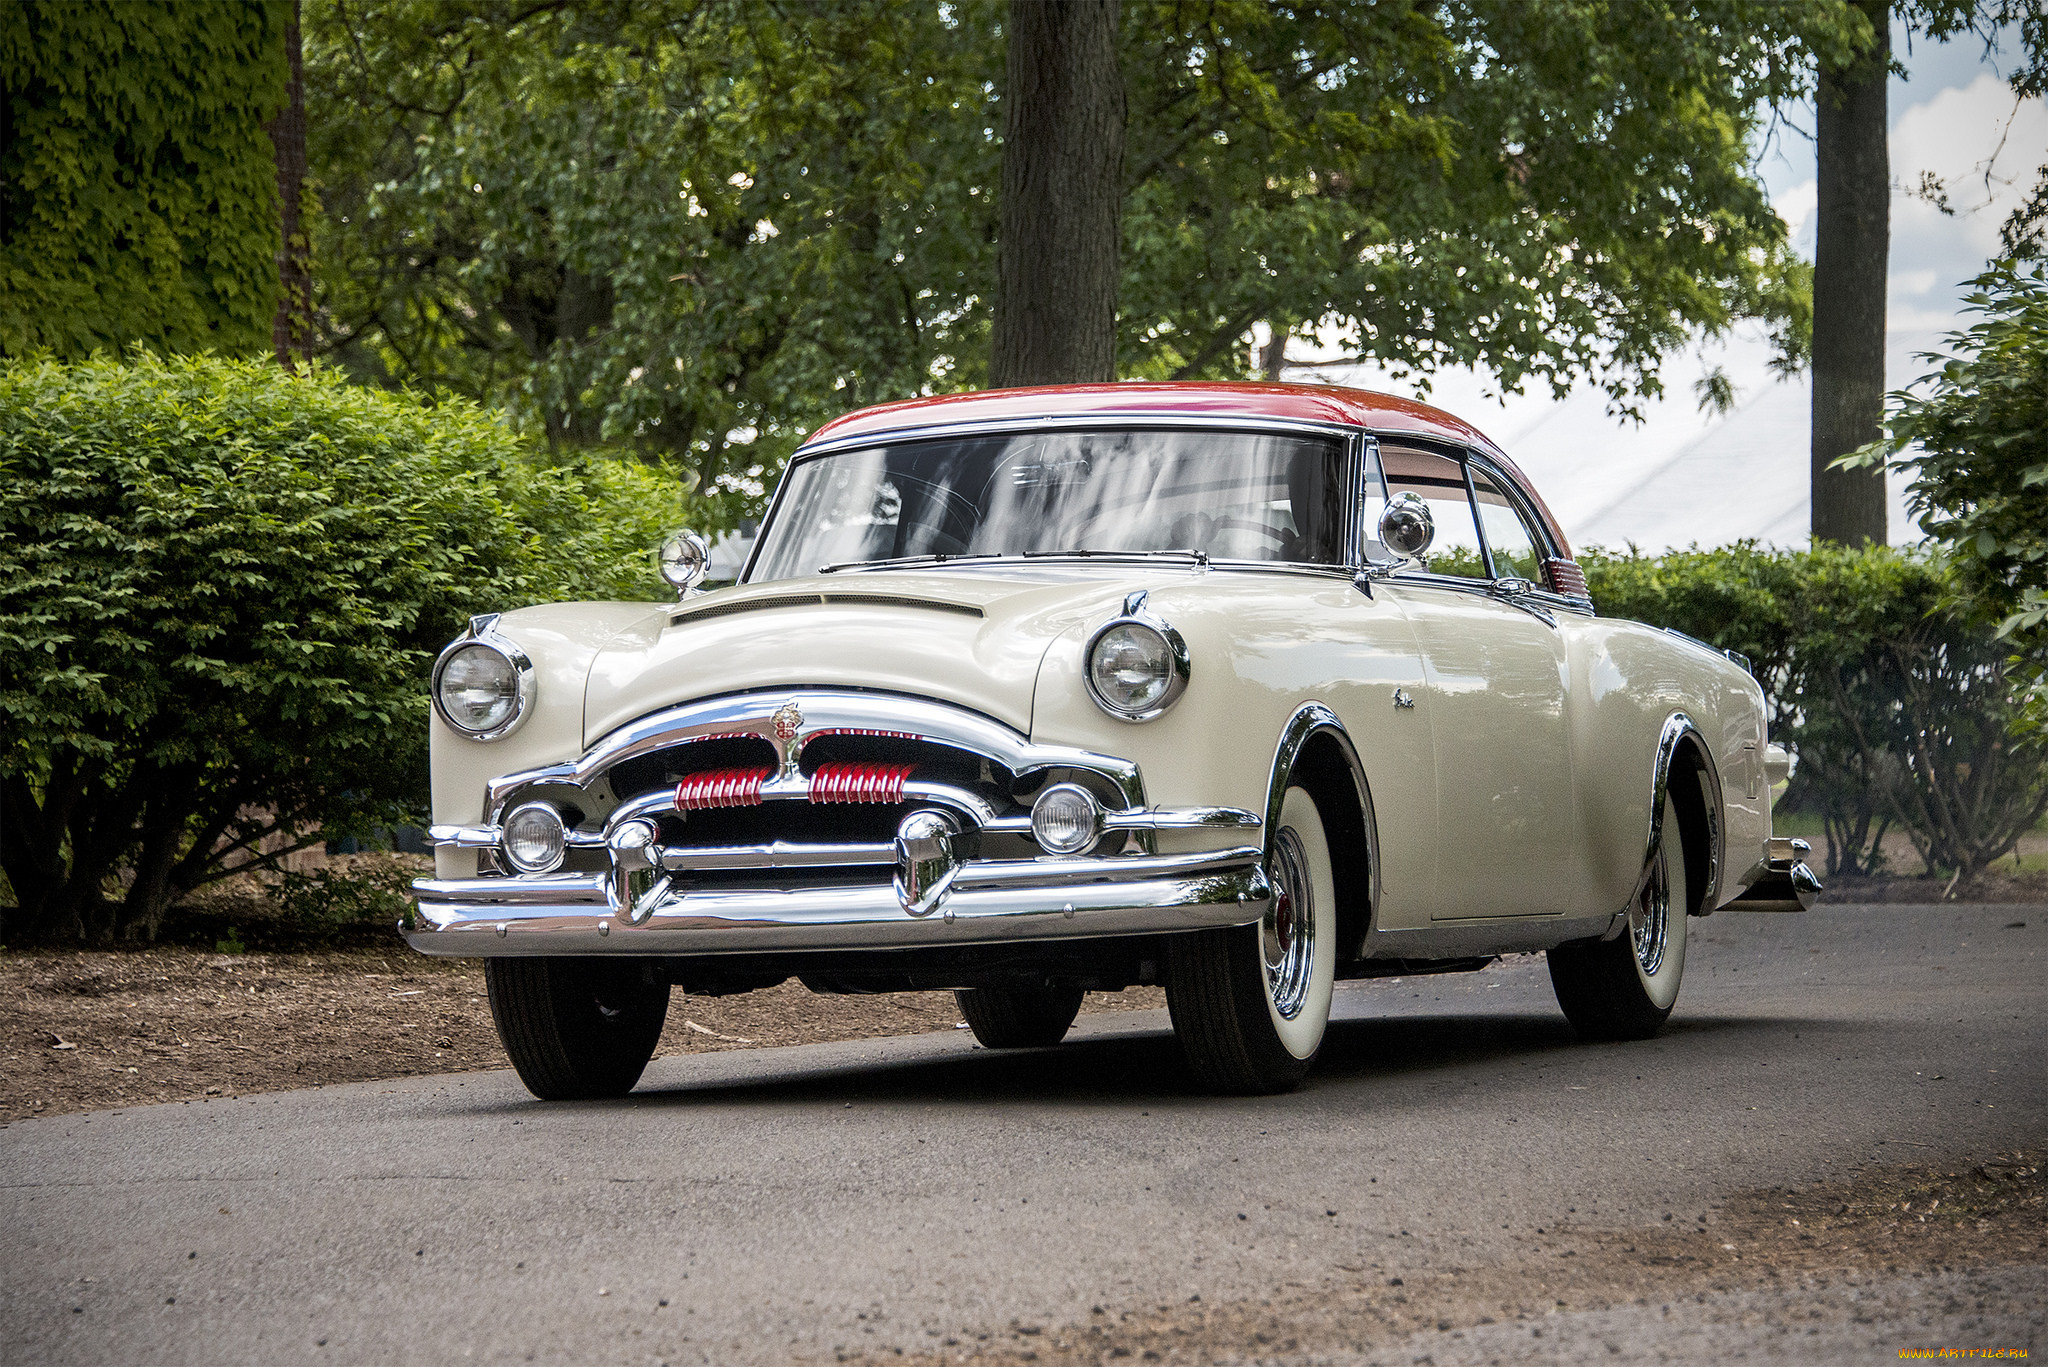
x: 138, y: 193
x: 1903, y: 708
x: 703, y: 229
x: 1972, y: 436
x: 220, y: 590
x: 326, y: 904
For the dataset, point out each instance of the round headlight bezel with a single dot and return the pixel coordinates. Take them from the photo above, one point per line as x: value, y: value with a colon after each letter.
x: 522, y: 673
x: 1179, y: 666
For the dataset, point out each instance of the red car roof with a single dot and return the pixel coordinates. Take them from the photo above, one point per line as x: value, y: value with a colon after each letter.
x: 1302, y: 402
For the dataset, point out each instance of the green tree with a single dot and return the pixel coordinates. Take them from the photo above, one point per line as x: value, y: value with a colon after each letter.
x: 1972, y: 437
x: 221, y: 586
x: 137, y: 184
x: 701, y: 230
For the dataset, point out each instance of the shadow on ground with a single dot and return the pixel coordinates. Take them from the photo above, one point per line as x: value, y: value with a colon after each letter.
x: 1146, y: 1067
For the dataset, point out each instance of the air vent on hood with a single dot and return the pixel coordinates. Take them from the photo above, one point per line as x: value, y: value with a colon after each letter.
x: 812, y: 600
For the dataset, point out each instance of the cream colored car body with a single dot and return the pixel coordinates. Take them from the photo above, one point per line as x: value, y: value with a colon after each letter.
x: 1507, y: 750
x: 1497, y: 796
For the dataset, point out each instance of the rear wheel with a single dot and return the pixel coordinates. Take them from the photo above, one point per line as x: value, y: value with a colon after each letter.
x: 576, y: 1028
x: 1624, y: 988
x: 1018, y: 1017
x: 1250, y: 1003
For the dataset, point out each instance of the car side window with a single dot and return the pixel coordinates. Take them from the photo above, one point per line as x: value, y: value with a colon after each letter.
x: 1516, y: 550
x: 1440, y: 482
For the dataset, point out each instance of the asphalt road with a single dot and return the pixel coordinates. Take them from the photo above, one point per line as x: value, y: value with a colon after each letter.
x: 764, y: 1206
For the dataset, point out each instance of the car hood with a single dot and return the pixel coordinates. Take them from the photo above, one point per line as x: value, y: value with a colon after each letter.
x: 970, y: 637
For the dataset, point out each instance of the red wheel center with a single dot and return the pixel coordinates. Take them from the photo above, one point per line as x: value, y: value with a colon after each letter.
x: 1283, y: 920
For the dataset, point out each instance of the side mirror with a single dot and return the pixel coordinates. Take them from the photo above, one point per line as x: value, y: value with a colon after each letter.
x: 1406, y: 527
x: 685, y: 560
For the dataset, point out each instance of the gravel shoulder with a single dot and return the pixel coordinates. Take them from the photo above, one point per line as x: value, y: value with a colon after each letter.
x: 98, y: 1030
x: 1910, y: 1256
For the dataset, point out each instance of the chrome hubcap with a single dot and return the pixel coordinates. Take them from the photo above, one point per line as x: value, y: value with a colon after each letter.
x: 1650, y: 916
x: 1288, y: 931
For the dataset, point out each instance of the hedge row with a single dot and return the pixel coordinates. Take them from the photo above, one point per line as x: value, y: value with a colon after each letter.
x: 1902, y: 705
x: 220, y: 588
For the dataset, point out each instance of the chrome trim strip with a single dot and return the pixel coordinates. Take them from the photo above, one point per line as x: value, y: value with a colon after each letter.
x: 1308, y: 720
x: 1676, y: 728
x: 778, y: 854
x: 568, y: 915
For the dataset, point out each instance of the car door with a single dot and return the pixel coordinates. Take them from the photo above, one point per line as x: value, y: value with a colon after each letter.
x: 1495, y: 671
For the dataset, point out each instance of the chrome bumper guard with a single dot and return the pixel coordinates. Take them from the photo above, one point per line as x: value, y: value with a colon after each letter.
x: 982, y: 902
x: 1787, y: 884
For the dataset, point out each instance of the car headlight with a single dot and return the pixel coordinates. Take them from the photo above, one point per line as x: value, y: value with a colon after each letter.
x: 483, y: 685
x: 1137, y: 666
x: 535, y: 839
x: 1066, y: 819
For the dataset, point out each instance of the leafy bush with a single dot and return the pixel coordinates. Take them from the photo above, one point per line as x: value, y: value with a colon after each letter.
x: 1975, y: 444
x: 326, y: 903
x: 1901, y: 704
x: 221, y: 587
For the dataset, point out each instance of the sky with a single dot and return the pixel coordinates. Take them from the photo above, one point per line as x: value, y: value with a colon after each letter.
x: 1684, y: 477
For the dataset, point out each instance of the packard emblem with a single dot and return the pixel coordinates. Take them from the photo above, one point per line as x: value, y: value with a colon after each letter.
x: 787, y: 720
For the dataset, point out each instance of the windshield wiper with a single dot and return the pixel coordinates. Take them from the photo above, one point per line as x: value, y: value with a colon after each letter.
x: 943, y: 558
x: 1192, y: 556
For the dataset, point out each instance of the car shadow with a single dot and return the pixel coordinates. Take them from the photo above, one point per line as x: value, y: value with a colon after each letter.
x: 1145, y: 1067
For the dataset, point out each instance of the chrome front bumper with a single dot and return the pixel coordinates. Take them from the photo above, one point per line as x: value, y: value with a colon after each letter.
x: 920, y: 889
x: 988, y: 901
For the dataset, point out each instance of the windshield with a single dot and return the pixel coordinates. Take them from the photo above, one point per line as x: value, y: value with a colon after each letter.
x: 1225, y: 495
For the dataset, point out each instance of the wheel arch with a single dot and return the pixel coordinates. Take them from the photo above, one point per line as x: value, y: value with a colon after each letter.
x: 1316, y: 752
x: 1685, y: 772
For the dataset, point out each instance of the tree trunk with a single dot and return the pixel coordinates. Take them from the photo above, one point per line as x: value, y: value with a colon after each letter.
x: 1063, y: 153
x: 1850, y: 260
x: 291, y: 331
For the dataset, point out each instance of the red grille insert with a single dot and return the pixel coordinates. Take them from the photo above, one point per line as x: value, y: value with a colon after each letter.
x: 721, y: 788
x: 860, y: 782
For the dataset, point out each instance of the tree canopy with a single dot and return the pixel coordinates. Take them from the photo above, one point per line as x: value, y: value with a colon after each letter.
x: 701, y: 229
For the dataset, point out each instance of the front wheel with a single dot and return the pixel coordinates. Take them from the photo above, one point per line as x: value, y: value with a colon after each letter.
x: 1624, y: 988
x: 1018, y: 1017
x: 576, y: 1028
x: 1250, y: 1003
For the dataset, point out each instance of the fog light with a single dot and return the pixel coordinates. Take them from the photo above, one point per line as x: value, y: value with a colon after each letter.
x: 1065, y: 819
x: 534, y: 839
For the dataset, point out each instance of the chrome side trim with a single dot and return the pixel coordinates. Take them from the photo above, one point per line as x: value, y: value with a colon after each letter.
x: 1459, y: 939
x: 568, y: 914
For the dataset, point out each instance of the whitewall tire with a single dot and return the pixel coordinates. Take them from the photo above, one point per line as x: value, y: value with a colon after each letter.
x: 1624, y: 988
x: 1250, y: 1004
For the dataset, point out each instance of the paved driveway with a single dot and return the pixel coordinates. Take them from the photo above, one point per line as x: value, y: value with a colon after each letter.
x: 765, y: 1205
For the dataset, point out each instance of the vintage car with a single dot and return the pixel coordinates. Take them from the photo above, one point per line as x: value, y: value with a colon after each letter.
x: 1238, y: 689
